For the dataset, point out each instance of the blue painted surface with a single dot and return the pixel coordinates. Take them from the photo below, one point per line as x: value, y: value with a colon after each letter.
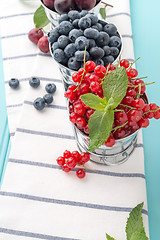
x: 146, y: 34
x: 4, y: 131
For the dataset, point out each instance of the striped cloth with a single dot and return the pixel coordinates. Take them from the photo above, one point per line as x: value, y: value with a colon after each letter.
x: 37, y: 199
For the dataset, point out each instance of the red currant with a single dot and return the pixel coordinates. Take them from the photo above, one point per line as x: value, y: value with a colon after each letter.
x: 89, y: 113
x: 61, y: 161
x: 121, y: 117
x: 93, y: 78
x: 81, y: 71
x: 73, y: 117
x: 69, y: 94
x: 95, y: 87
x: 134, y: 115
x: 131, y: 92
x: 84, y: 88
x: 81, y: 122
x: 67, y: 154
x: 80, y: 173
x: 90, y: 66
x: 124, y: 63
x: 157, y: 114
x: 119, y: 133
x: 79, y: 109
x: 131, y: 72
x: 100, y: 71
x: 153, y: 106
x: 144, y: 122
x: 142, y: 87
x: 76, y: 77
x: 111, y: 67
x: 85, y: 157
x: 86, y: 129
x: 65, y: 168
x: 146, y: 108
x: 110, y: 142
x: 138, y: 103
x: 128, y: 100
x: 71, y: 162
x: 76, y: 155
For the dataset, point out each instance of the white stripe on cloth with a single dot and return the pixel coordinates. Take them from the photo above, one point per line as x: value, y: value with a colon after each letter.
x: 37, y: 199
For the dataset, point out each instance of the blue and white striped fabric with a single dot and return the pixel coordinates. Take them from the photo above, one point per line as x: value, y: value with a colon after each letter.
x: 37, y: 199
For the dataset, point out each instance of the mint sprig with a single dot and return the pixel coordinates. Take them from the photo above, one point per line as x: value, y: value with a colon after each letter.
x: 134, y: 227
x: 100, y: 124
x: 40, y: 18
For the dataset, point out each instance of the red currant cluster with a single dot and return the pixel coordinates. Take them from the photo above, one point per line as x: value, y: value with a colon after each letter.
x: 70, y: 160
x: 132, y: 113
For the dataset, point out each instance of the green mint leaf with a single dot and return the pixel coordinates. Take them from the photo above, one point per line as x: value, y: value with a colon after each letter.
x: 40, y: 18
x: 135, y: 222
x: 102, y: 11
x: 109, y: 237
x: 94, y: 101
x: 115, y: 86
x: 139, y: 236
x: 100, y: 125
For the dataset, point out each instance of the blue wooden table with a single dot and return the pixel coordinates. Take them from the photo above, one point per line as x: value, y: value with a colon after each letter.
x: 4, y: 131
x: 146, y: 34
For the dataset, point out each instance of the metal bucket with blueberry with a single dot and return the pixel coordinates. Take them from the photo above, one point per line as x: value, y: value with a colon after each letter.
x: 107, y: 108
x: 54, y: 8
x: 68, y: 42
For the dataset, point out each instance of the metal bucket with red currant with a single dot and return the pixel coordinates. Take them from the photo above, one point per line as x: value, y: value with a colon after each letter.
x: 61, y: 8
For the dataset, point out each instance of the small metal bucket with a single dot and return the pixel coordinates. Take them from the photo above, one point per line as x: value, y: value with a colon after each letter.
x: 53, y: 16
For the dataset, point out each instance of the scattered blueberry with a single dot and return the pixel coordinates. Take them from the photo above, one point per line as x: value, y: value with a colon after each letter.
x: 50, y: 88
x: 79, y: 56
x: 73, y: 64
x: 63, y: 17
x: 103, y: 39
x: 110, y: 29
x: 84, y: 23
x: 39, y: 103
x: 59, y: 55
x: 53, y: 35
x: 70, y: 50
x: 14, y: 83
x: 91, y: 33
x: 83, y: 13
x: 48, y: 98
x: 73, y: 14
x: 65, y: 27
x: 96, y: 52
x: 75, y: 23
x: 107, y: 50
x: 74, y: 34
x: 114, y: 51
x: 34, y: 82
x: 115, y: 42
x: 108, y: 59
x: 99, y: 62
x: 94, y: 18
x: 81, y: 43
x: 63, y: 41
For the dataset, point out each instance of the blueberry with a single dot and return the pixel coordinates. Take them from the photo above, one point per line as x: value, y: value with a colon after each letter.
x: 98, y: 26
x: 103, y: 23
x: 75, y: 23
x: 91, y: 33
x: 65, y: 61
x: 79, y: 56
x: 70, y: 50
x: 50, y: 88
x: 48, y: 98
x: 108, y: 59
x: 73, y: 64
x: 81, y: 43
x: 96, y: 52
x: 84, y: 23
x: 93, y: 17
x: 115, y: 42
x: 34, y: 82
x: 55, y: 46
x: 63, y: 41
x: 92, y: 43
x: 99, y: 62
x: 39, y: 103
x: 65, y: 27
x: 114, y: 51
x: 103, y: 39
x: 83, y: 13
x: 107, y: 50
x: 59, y: 55
x: 63, y: 17
x: 74, y: 34
x: 14, y: 83
x: 73, y: 14
x: 53, y: 35
x: 110, y: 29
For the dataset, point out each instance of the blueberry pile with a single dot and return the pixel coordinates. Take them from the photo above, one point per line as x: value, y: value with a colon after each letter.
x: 79, y: 30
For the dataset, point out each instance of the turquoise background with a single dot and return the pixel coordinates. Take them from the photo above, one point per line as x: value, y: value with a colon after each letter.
x: 4, y: 131
x: 146, y: 36
x: 145, y: 16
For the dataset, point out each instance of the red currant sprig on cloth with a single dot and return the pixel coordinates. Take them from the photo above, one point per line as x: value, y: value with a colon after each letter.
x: 70, y: 160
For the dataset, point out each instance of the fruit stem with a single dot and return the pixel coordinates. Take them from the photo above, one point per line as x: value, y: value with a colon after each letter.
x: 118, y: 61
x: 139, y: 78
x: 114, y: 129
x: 127, y: 106
x: 107, y: 4
x: 134, y: 62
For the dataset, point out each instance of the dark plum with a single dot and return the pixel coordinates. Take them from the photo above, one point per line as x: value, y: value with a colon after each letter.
x: 64, y: 6
x: 85, y: 4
